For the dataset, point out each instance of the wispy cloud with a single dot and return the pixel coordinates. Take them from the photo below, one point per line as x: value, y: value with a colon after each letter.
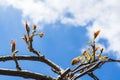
x: 103, y: 13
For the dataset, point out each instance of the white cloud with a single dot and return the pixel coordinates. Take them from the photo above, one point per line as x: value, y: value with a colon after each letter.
x: 103, y: 13
x: 108, y: 21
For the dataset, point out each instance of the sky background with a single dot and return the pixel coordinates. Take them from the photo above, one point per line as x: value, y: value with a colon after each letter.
x: 68, y: 25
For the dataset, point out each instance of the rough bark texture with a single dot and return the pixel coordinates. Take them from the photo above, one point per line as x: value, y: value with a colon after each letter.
x: 25, y: 74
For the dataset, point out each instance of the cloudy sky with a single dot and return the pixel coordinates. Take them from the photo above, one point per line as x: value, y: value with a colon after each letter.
x: 68, y: 25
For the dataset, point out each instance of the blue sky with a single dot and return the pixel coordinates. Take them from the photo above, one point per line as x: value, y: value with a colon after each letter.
x: 68, y: 25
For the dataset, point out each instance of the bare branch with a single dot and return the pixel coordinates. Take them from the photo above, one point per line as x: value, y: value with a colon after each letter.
x: 92, y: 75
x: 29, y: 41
x: 112, y: 60
x: 14, y: 51
x: 25, y: 74
x: 96, y: 66
x: 62, y: 76
x: 16, y: 62
x: 83, y: 67
x: 35, y: 58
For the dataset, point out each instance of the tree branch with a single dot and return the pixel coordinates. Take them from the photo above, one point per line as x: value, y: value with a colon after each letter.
x: 83, y: 65
x: 112, y: 60
x: 25, y: 74
x: 82, y: 68
x: 63, y: 76
x: 96, y: 66
x: 92, y: 76
x: 35, y: 58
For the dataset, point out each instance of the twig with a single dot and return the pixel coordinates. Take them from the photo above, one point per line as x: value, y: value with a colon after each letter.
x: 14, y: 51
x: 92, y: 75
x: 80, y: 65
x: 90, y: 69
x: 84, y: 67
x: 16, y: 62
x: 112, y: 60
